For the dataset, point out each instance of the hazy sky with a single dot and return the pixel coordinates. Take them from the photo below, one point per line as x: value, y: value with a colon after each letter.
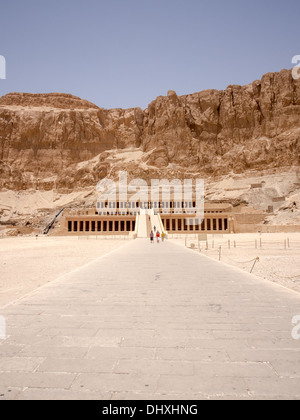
x: 125, y: 53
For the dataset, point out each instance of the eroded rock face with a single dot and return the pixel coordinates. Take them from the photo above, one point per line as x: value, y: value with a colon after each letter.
x: 254, y: 126
x: 44, y: 138
x: 47, y: 100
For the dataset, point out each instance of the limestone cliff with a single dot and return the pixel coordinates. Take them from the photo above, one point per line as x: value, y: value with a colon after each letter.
x: 55, y: 141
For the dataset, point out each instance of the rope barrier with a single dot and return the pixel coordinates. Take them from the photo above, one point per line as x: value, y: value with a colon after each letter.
x: 238, y: 262
x: 258, y: 259
x: 242, y: 262
x: 218, y: 247
x: 254, y: 260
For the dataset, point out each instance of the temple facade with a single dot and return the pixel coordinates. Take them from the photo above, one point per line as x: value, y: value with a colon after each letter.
x: 130, y: 218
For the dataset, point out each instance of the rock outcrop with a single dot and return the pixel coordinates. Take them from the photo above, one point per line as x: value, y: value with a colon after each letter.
x: 45, y: 139
x: 254, y: 126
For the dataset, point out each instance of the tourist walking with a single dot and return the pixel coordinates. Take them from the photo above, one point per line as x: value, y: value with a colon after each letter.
x: 154, y: 229
x: 152, y: 237
x: 162, y: 237
x: 158, y: 237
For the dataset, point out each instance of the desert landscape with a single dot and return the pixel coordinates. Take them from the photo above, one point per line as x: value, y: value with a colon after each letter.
x: 243, y: 141
x: 149, y: 203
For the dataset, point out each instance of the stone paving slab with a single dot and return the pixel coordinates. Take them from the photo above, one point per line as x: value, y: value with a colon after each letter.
x: 152, y: 322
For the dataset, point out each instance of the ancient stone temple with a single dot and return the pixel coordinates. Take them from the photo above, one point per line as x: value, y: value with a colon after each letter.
x: 139, y: 218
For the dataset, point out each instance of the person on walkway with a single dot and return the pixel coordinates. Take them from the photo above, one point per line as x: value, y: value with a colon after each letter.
x: 162, y: 237
x: 154, y: 229
x: 158, y: 236
x: 152, y: 237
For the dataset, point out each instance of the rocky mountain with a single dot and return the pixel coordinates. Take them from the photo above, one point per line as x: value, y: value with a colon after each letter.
x: 58, y: 141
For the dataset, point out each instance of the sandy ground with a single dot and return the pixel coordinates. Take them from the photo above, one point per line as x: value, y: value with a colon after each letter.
x: 279, y: 254
x: 28, y: 263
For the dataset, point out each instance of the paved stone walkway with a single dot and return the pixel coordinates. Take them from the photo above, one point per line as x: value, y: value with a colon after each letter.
x: 152, y: 322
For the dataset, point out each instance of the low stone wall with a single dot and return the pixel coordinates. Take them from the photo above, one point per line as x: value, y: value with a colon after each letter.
x: 249, y: 219
x: 279, y: 228
x: 248, y: 228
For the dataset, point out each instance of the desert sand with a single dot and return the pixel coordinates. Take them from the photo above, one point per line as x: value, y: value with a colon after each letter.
x: 278, y: 253
x: 28, y: 263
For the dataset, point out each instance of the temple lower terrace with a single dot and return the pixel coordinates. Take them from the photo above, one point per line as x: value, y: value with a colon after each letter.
x: 165, y: 209
x: 137, y: 219
x: 119, y: 218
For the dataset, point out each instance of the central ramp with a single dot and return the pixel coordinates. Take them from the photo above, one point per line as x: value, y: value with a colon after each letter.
x: 142, y: 229
x: 148, y: 221
x: 156, y: 222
